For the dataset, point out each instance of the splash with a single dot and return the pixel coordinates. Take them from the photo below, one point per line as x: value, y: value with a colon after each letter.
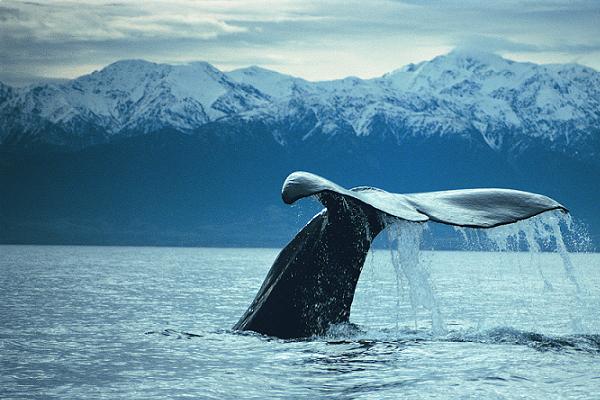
x: 525, y: 251
x: 543, y: 233
x: 533, y: 235
x: 405, y: 242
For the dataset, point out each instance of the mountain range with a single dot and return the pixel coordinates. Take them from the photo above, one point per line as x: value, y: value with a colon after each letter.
x: 146, y: 153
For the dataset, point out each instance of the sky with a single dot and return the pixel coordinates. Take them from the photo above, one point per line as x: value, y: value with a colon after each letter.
x: 316, y: 40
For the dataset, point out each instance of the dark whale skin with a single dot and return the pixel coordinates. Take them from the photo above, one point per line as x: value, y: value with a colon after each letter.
x: 312, y: 282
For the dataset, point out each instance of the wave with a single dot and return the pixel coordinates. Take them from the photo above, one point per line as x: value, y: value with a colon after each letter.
x: 174, y: 334
x: 351, y: 333
x: 589, y: 343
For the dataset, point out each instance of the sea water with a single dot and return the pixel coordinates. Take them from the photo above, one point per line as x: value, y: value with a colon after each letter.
x: 144, y: 323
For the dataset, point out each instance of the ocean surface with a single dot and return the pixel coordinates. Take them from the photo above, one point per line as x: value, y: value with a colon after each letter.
x: 154, y: 323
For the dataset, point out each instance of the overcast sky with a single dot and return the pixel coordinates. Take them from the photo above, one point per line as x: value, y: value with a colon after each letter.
x: 312, y: 39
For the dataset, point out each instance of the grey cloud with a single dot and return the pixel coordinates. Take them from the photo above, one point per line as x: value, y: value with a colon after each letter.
x: 45, y: 39
x: 7, y: 13
x: 73, y: 21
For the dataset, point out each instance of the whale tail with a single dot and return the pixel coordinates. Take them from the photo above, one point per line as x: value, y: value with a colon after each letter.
x: 312, y: 282
x: 473, y: 208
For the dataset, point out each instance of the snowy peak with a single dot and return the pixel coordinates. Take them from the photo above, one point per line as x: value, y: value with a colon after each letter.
x: 495, y: 94
x: 129, y: 97
x: 272, y: 83
x: 197, y: 85
x: 472, y: 58
x: 447, y: 70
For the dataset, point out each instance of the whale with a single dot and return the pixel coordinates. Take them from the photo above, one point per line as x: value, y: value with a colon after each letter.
x: 312, y: 281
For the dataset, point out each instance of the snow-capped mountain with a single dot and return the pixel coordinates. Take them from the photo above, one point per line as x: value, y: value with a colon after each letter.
x: 460, y: 93
x: 278, y: 86
x: 502, y: 102
x: 126, y: 98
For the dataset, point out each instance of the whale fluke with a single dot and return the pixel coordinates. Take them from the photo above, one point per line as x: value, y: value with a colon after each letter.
x: 312, y: 281
x: 474, y: 208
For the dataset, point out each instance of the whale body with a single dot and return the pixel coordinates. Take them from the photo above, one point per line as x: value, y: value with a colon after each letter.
x: 312, y: 282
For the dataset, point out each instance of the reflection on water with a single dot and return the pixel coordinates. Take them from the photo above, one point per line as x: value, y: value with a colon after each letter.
x: 100, y: 322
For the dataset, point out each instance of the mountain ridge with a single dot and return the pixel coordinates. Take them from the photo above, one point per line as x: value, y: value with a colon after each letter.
x: 453, y: 94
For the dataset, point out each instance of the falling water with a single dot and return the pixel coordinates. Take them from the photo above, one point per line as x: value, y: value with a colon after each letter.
x: 542, y: 232
x: 537, y: 235
x: 411, y: 272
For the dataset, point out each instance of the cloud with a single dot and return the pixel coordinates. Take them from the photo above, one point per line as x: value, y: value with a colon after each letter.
x: 310, y: 38
x: 92, y: 21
